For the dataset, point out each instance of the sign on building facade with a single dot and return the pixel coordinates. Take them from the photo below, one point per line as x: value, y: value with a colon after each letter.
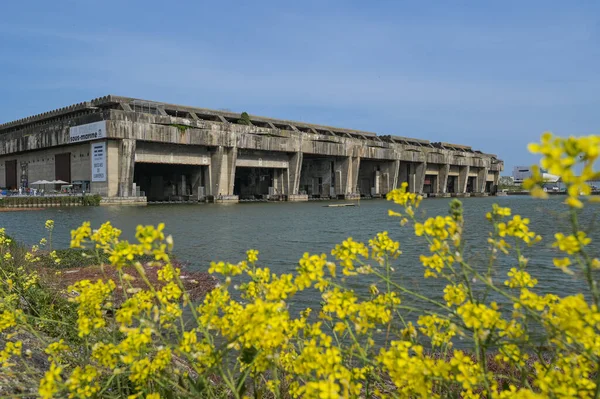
x: 90, y: 131
x: 99, y: 162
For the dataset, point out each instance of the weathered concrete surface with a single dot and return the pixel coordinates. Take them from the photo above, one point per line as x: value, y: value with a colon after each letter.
x: 325, y: 159
x: 126, y: 166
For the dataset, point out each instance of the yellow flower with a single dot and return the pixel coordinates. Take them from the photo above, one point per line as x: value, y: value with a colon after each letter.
x: 520, y: 278
x: 49, y: 383
x: 382, y: 244
x: 468, y: 373
x: 401, y: 197
x: 571, y: 244
x: 479, y: 316
x: 10, y: 349
x: 348, y: 252
x: 7, y: 320
x: 252, y: 255
x: 519, y: 228
x: 49, y: 225
x: 107, y: 354
x: 560, y: 156
x: 90, y: 298
x: 439, y: 330
x: 454, y: 294
x: 83, y: 382
x: 497, y: 213
x: 56, y: 350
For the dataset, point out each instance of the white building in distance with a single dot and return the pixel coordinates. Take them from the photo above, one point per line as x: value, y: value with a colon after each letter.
x: 521, y: 173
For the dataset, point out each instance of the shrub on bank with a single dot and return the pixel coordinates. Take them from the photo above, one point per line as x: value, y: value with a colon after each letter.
x: 247, y: 339
x: 33, y: 201
x: 91, y: 200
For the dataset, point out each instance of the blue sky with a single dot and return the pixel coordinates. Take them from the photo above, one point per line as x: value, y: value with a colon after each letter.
x: 493, y: 75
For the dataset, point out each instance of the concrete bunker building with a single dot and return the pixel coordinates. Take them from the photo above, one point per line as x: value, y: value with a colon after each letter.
x: 123, y: 147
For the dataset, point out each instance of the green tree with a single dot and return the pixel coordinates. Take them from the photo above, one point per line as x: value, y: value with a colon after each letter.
x: 244, y: 119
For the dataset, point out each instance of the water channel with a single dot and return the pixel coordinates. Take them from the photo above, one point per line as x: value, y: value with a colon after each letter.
x: 282, y: 232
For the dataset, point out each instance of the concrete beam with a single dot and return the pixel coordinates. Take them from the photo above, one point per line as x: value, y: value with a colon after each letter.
x: 126, y: 167
x: 125, y: 107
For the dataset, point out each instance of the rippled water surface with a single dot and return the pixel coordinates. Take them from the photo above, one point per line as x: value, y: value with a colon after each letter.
x: 282, y: 232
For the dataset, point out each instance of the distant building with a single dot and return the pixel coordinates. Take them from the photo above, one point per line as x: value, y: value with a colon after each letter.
x: 521, y: 173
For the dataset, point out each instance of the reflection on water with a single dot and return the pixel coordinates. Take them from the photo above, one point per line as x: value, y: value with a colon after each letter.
x: 282, y: 232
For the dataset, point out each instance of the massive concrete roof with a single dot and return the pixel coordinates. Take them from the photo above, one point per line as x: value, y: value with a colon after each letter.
x: 160, y: 108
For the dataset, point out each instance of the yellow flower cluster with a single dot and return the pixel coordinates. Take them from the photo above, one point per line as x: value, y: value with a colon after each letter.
x: 560, y: 156
x: 455, y: 294
x: 497, y: 213
x: 520, y: 278
x: 90, y: 298
x: 10, y: 349
x: 571, y: 244
x: 439, y: 330
x: 518, y: 227
x: 348, y: 252
x: 441, y: 232
x: 382, y: 245
x: 402, y: 197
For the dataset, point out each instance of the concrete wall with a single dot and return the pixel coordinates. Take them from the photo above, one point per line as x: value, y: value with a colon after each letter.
x: 40, y: 164
x: 171, y: 154
x: 262, y: 159
x: 315, y: 171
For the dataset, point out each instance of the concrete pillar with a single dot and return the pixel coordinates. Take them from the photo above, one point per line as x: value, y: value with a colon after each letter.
x: 377, y: 183
x: 341, y: 175
x: 196, y: 182
x: 346, y: 175
x: 222, y: 165
x: 294, y: 170
x: 126, y: 167
x: 481, y: 180
x: 389, y: 176
x: 419, y: 176
x: 207, y: 180
x: 443, y: 178
x: 495, y: 182
x: 403, y: 173
x: 353, y: 178
x: 278, y: 181
x: 463, y: 178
